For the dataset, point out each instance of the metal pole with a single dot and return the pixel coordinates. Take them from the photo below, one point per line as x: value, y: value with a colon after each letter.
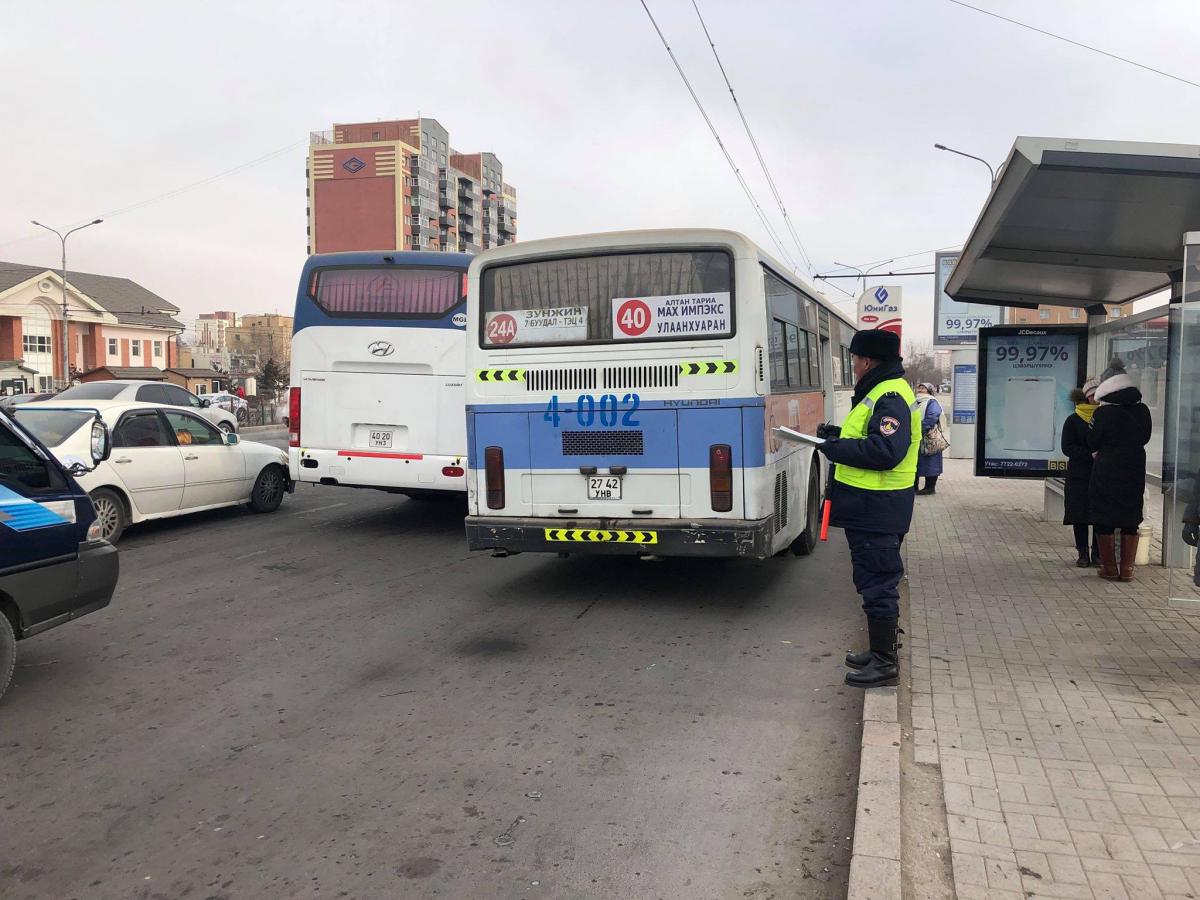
x: 991, y: 171
x: 66, y: 331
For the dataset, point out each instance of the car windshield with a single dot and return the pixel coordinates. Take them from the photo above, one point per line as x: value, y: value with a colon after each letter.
x: 52, y: 426
x: 95, y: 390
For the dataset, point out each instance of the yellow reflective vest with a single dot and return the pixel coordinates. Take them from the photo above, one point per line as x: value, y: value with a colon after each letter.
x: 904, y: 475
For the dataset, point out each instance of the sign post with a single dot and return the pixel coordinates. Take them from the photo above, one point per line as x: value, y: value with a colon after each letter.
x: 955, y: 326
x: 879, y: 308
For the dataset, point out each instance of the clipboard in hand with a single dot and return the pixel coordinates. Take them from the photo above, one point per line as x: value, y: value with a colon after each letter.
x: 798, y: 437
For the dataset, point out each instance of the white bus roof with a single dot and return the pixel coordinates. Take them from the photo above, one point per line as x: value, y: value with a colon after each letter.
x: 655, y: 238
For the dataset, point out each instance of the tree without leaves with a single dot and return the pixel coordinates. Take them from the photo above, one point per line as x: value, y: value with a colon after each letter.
x: 921, y: 364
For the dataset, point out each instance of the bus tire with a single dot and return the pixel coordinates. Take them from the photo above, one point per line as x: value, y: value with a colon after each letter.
x: 8, y: 652
x: 806, y: 542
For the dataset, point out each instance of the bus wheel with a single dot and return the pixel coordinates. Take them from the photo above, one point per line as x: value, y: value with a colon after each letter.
x: 807, y: 540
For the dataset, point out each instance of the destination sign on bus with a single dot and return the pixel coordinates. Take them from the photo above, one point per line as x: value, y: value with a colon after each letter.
x: 537, y: 326
x: 675, y: 315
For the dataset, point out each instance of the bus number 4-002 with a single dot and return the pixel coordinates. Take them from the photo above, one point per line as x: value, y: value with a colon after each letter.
x: 588, y: 409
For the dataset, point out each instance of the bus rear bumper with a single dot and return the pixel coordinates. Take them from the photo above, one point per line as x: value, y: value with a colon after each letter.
x: 396, y: 472
x: 625, y: 537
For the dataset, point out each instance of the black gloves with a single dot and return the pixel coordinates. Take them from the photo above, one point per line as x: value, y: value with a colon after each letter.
x: 825, y: 432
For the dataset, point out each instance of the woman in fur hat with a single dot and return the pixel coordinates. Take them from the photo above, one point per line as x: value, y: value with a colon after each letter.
x: 1076, y: 509
x: 1118, y: 436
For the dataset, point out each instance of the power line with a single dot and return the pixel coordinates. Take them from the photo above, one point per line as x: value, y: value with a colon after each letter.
x: 728, y: 158
x: 176, y: 191
x: 754, y: 143
x: 1081, y: 45
x: 195, y: 184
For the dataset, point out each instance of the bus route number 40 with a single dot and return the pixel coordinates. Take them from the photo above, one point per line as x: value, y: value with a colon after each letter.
x: 607, y: 408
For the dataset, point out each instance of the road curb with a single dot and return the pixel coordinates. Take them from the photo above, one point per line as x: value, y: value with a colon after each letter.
x: 261, y: 429
x: 875, y: 859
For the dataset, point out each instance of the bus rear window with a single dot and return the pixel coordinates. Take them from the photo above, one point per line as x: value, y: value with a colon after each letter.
x: 608, y: 298
x: 387, y: 292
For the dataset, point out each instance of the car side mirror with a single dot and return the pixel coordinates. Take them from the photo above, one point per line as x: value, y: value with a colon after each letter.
x: 230, y: 440
x: 101, y: 443
x: 205, y: 402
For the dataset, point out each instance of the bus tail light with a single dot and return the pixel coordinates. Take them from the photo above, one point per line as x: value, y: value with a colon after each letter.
x: 493, y: 467
x: 294, y: 417
x: 453, y: 471
x: 720, y: 477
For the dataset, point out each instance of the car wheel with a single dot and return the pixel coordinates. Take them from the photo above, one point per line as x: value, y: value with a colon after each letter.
x: 226, y: 427
x: 268, y: 490
x: 8, y: 652
x: 241, y: 415
x: 807, y: 540
x: 110, y: 512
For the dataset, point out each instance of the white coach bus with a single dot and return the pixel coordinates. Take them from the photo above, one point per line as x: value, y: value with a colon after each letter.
x: 622, y: 389
x: 377, y: 372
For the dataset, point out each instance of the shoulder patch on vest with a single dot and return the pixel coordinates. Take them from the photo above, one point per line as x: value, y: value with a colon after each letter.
x: 888, y: 426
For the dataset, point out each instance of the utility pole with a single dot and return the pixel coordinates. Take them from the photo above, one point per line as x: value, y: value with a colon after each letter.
x: 66, y: 332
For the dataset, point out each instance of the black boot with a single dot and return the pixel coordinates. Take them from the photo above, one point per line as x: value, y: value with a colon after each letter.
x: 930, y: 486
x: 858, y: 660
x: 884, y: 666
x: 1084, y: 560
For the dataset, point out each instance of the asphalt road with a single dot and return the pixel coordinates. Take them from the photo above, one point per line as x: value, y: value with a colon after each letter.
x: 338, y: 700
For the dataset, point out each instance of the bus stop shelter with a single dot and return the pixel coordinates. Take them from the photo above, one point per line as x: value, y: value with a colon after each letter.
x: 1083, y: 223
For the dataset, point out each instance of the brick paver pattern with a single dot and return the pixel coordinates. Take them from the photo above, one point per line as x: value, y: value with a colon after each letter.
x: 1064, y: 710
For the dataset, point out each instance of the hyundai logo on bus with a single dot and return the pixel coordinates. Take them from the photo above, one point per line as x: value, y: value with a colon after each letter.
x: 380, y: 348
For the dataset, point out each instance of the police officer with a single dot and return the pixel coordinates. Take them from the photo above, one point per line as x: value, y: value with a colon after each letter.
x: 875, y: 452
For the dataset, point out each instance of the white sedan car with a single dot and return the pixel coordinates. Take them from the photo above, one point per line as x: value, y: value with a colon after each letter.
x: 165, y: 461
x: 152, y: 392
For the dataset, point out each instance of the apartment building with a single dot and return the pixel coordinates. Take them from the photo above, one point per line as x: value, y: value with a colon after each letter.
x: 399, y: 185
x: 265, y: 335
x: 1061, y: 315
x: 210, y: 330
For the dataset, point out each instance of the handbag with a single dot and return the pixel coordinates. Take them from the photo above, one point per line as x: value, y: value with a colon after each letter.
x: 934, y: 441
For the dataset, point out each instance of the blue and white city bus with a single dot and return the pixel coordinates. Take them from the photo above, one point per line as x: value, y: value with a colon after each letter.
x: 622, y: 390
x: 378, y: 355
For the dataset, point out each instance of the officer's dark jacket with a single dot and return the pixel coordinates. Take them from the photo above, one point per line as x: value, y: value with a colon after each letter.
x: 886, y: 512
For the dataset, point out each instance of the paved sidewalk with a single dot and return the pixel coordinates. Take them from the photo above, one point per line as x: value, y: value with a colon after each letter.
x: 1064, y: 710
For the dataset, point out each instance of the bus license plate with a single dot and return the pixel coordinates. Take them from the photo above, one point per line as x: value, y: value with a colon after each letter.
x: 381, y: 439
x: 604, y: 487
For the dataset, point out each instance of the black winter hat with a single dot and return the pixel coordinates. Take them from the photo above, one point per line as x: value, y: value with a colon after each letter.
x: 876, y: 344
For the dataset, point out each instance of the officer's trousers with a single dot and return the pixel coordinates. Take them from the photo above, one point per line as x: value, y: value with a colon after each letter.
x: 878, y: 569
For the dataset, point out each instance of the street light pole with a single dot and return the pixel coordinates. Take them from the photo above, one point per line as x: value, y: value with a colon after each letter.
x: 863, y: 274
x: 991, y: 171
x: 66, y: 334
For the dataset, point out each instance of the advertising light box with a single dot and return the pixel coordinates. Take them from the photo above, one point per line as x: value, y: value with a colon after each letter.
x: 1025, y: 379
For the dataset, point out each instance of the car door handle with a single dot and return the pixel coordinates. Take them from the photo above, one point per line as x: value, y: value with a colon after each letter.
x: 192, y: 456
x: 122, y: 460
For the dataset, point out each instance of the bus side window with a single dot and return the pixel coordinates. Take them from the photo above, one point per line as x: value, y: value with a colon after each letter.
x: 778, y: 356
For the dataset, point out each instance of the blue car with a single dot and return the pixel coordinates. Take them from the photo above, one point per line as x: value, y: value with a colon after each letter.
x: 53, y: 565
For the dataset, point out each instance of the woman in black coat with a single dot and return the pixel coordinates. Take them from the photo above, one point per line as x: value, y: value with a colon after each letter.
x: 1118, y: 437
x: 1077, y: 509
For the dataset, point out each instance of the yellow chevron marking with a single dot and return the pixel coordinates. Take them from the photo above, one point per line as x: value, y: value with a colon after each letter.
x: 597, y: 536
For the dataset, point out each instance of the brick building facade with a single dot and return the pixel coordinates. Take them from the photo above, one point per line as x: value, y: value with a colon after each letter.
x: 399, y: 185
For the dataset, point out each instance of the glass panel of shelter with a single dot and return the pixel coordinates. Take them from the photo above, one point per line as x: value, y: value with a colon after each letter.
x: 1181, y: 473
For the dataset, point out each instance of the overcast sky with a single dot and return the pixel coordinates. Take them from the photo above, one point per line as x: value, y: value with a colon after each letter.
x: 109, y: 104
